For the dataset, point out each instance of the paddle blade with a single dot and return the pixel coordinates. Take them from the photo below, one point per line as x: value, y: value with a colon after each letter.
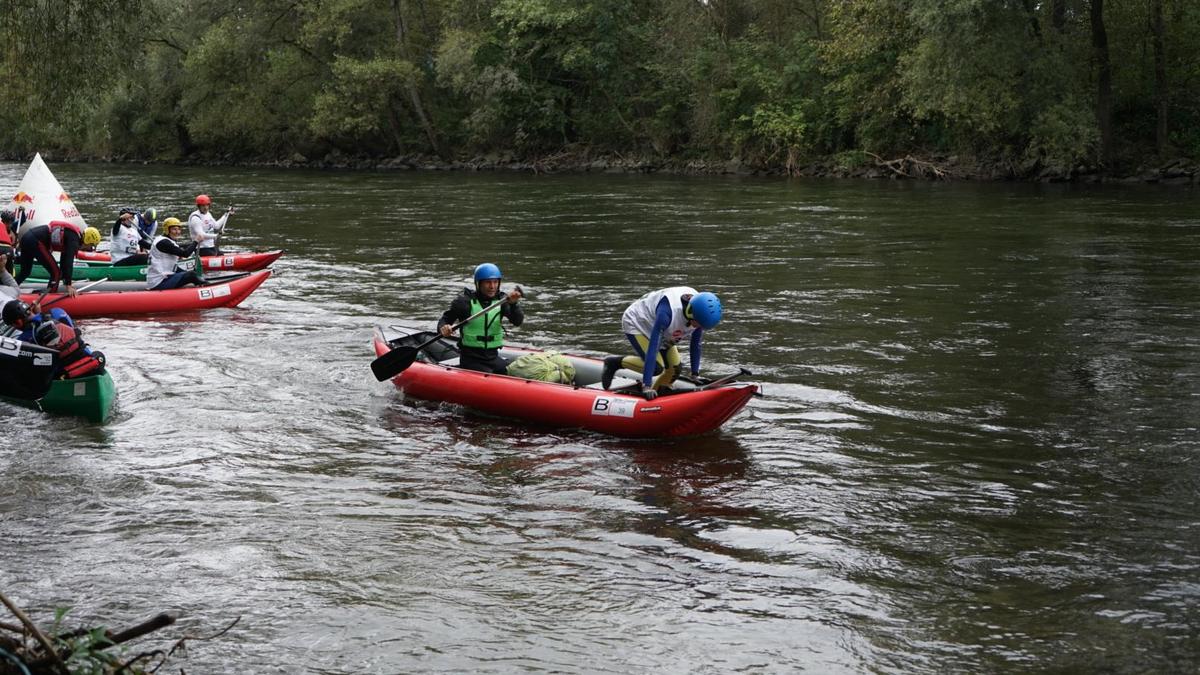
x: 393, y: 363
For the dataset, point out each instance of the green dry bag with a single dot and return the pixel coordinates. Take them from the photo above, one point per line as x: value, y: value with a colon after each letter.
x: 544, y: 367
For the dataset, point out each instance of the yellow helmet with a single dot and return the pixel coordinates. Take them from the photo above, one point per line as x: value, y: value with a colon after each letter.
x: 91, y: 236
x: 168, y: 224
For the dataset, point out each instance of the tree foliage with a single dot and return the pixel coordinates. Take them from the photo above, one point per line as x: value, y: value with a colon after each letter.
x: 770, y: 82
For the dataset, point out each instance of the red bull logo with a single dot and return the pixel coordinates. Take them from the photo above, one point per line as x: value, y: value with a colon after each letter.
x: 22, y: 198
x: 64, y: 198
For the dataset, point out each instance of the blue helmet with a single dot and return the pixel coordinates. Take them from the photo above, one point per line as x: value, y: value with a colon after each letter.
x: 706, y: 309
x: 486, y: 271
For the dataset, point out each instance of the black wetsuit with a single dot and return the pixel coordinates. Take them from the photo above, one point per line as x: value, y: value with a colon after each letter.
x: 36, y: 245
x: 483, y: 359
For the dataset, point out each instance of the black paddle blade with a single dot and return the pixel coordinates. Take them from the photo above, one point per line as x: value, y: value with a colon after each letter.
x: 394, y: 362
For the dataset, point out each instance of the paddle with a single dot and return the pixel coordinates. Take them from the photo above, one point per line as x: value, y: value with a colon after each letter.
x: 64, y: 295
x: 10, y: 331
x: 724, y: 380
x: 193, y: 263
x: 399, y: 359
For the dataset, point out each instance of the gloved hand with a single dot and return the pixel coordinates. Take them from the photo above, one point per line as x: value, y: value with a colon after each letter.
x: 649, y: 393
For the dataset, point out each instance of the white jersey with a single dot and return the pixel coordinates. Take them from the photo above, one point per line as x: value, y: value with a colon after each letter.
x: 204, y: 228
x: 124, y: 242
x: 162, y: 265
x: 9, y: 290
x: 639, y: 317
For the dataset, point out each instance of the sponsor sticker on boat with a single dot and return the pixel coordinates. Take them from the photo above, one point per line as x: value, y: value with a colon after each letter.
x: 81, y: 388
x: 605, y: 406
x: 43, y: 359
x: 8, y: 346
x: 210, y: 292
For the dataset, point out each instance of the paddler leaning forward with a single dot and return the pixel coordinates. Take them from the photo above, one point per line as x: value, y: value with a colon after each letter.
x: 164, y: 256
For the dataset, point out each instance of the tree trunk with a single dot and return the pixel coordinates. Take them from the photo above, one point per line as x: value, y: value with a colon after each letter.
x: 1103, y: 81
x: 1158, y: 31
x: 411, y: 87
x: 1058, y: 15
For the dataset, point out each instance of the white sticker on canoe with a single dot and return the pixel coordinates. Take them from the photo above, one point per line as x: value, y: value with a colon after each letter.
x: 81, y: 388
x: 43, y: 359
x: 614, y: 407
x: 8, y: 346
x: 210, y: 292
x: 215, y: 263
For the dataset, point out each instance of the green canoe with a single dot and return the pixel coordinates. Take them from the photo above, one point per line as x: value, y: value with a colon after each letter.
x: 92, y: 271
x: 90, y: 397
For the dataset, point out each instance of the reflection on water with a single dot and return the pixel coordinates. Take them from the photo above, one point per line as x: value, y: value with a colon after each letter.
x: 973, y: 453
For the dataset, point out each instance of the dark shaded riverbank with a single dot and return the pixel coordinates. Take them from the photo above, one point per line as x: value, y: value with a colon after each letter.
x: 1176, y: 172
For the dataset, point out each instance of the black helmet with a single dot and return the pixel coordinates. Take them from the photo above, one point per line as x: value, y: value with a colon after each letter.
x: 127, y: 209
x: 14, y: 311
x: 8, y: 217
x: 46, y: 334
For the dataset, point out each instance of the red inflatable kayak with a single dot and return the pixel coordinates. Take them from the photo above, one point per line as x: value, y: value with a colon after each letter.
x: 688, y: 410
x: 244, y: 262
x: 114, y: 303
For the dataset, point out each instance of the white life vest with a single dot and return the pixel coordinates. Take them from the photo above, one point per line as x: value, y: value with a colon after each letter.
x: 638, y: 318
x: 162, y: 265
x: 202, y: 227
x: 124, y: 242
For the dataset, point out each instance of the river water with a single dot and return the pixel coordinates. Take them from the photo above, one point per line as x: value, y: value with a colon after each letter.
x: 976, y: 452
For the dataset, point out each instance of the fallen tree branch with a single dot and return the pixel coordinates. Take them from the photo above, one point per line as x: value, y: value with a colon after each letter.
x: 160, y: 621
x: 185, y: 638
x: 905, y: 167
x: 36, y: 633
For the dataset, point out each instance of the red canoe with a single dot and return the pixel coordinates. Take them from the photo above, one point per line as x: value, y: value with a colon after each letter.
x: 244, y: 262
x: 114, y: 303
x: 581, y: 404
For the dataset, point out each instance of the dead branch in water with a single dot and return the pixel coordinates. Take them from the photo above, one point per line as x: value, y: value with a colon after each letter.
x: 47, y: 656
x: 37, y: 634
x: 911, y: 167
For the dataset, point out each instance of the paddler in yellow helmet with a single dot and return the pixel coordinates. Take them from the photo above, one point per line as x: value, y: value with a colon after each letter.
x: 165, y: 254
x: 91, y: 237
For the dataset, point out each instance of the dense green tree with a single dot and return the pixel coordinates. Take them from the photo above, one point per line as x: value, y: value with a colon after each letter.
x: 775, y: 83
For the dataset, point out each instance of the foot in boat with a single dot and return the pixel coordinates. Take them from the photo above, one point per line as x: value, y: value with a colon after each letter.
x: 611, y: 365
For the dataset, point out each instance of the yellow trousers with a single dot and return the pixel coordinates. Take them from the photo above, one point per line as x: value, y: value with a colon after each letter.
x: 669, y: 370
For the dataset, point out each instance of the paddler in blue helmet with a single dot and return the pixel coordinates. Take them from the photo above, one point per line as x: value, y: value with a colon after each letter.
x: 483, y: 336
x: 655, y: 324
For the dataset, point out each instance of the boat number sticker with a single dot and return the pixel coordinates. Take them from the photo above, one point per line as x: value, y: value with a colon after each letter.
x: 613, y: 407
x: 214, y: 292
x: 81, y: 388
x: 8, y: 346
x: 43, y: 359
x: 218, y: 263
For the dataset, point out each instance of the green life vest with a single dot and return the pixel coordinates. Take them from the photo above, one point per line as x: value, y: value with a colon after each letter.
x: 483, y: 332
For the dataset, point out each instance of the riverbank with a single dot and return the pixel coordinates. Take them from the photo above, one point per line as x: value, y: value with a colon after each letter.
x: 1177, y: 172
